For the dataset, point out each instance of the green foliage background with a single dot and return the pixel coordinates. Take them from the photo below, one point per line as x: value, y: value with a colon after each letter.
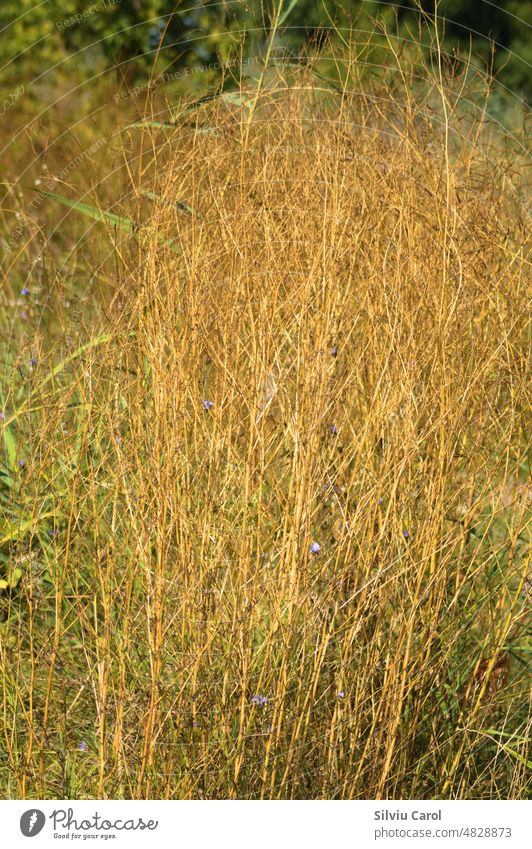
x: 107, y: 33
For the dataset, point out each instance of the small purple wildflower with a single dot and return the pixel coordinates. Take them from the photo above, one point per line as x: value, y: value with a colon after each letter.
x: 333, y: 429
x: 22, y: 463
x: 314, y: 548
x: 207, y: 405
x: 52, y: 533
x: 25, y: 291
x: 334, y: 351
x: 406, y: 534
x: 380, y: 500
x: 259, y: 700
x: 82, y: 746
x: 2, y: 416
x: 33, y: 361
x: 341, y: 694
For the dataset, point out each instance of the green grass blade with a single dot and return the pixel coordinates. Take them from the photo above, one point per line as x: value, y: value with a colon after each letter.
x: 158, y: 125
x: 10, y: 446
x: 11, y: 532
x: 94, y: 343
x: 125, y: 224
x: 184, y: 207
x: 287, y: 11
x: 121, y: 223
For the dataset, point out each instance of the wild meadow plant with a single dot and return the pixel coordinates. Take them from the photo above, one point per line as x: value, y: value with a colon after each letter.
x: 265, y: 490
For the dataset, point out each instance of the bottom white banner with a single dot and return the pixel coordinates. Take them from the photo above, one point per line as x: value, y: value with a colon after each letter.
x: 255, y: 824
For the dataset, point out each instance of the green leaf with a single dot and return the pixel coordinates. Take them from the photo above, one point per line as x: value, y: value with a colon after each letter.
x: 12, y: 581
x: 287, y: 11
x: 13, y: 531
x: 11, y: 447
x: 505, y: 734
x: 516, y: 755
x: 231, y: 97
x: 492, y: 731
x: 184, y: 207
x: 125, y: 224
x: 161, y: 125
x: 93, y: 343
x: 14, y: 578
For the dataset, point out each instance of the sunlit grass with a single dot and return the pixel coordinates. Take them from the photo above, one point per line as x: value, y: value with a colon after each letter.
x: 270, y: 534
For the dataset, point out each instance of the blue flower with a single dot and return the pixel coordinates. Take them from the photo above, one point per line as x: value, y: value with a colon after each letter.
x: 334, y: 351
x: 25, y: 291
x: 341, y: 694
x: 82, y: 746
x: 406, y: 534
x: 52, y: 533
x: 333, y: 429
x: 22, y: 463
x: 259, y: 700
x: 207, y: 405
x: 314, y: 548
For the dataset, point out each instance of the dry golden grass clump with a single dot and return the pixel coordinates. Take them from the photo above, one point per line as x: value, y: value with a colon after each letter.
x: 290, y: 503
